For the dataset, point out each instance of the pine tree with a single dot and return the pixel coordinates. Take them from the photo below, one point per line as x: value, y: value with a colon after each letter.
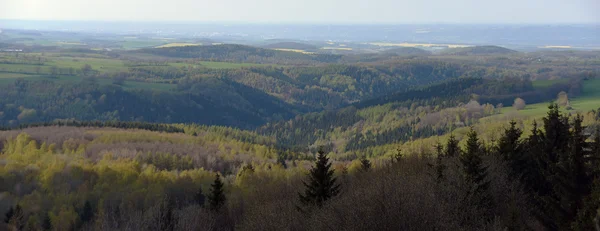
x: 474, y: 171
x: 322, y: 185
x: 365, y: 164
x: 216, y: 199
x: 510, y: 149
x: 452, y: 149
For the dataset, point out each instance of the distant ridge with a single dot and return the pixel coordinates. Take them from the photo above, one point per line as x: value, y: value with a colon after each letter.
x: 478, y: 50
x: 407, y: 51
x: 291, y: 45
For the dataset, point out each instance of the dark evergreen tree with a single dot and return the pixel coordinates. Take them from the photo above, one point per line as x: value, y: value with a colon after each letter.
x: 452, y: 149
x: 281, y: 161
x: 365, y: 164
x: 46, y: 222
x: 474, y: 171
x: 87, y: 214
x: 510, y: 149
x: 439, y: 165
x: 595, y: 152
x: 321, y: 185
x: 556, y: 134
x: 216, y: 199
x: 199, y: 198
x: 571, y: 181
x: 9, y: 214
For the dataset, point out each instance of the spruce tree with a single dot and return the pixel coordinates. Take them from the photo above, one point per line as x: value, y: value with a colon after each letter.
x: 510, y: 149
x: 556, y: 134
x: 474, y: 171
x: 452, y: 149
x: 322, y: 185
x: 571, y: 181
x: 439, y: 165
x: 579, y: 153
x: 216, y: 199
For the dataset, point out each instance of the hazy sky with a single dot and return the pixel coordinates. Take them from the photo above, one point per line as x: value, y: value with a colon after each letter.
x: 309, y: 11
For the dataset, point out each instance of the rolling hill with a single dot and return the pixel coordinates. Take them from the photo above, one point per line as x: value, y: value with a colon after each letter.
x: 478, y: 50
x: 291, y: 45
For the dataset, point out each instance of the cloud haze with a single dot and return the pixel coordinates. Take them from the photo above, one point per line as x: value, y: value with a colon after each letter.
x: 309, y: 11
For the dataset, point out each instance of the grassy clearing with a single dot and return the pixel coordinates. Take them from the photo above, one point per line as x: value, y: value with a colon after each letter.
x: 587, y: 101
x: 102, y: 65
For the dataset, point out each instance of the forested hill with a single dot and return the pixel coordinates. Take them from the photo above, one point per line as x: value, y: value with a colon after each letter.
x: 39, y: 101
x: 412, y: 114
x: 239, y: 53
x: 291, y: 45
x: 479, y: 50
x: 407, y: 51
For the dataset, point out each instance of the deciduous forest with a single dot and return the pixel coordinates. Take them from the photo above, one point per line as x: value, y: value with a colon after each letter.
x: 237, y: 137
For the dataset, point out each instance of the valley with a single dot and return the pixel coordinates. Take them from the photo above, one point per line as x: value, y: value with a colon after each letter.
x: 102, y: 131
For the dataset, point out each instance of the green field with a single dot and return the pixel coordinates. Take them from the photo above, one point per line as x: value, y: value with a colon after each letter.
x: 102, y: 65
x: 587, y: 101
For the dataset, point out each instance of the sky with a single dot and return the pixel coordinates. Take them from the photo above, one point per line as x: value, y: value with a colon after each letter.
x: 309, y: 11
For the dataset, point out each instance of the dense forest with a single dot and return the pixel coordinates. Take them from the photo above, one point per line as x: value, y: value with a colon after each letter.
x: 91, y: 177
x: 234, y: 137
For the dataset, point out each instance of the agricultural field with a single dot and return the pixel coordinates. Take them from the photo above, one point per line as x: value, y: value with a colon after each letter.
x: 427, y: 45
x: 294, y: 50
x: 178, y: 45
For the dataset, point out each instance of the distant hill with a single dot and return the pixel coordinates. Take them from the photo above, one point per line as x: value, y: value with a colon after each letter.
x: 406, y: 51
x: 238, y: 53
x: 478, y: 50
x: 291, y: 45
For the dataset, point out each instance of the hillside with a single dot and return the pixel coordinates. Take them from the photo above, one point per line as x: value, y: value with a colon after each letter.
x: 406, y: 51
x: 238, y: 53
x: 291, y: 45
x: 478, y: 50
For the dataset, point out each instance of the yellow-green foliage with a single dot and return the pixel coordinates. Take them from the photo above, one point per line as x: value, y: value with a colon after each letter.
x: 110, y: 167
